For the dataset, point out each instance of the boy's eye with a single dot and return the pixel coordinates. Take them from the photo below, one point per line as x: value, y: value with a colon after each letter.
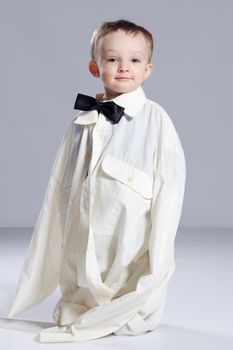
x: 136, y: 60
x: 112, y: 59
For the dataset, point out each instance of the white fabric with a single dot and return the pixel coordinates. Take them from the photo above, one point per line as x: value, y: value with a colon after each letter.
x: 105, y: 233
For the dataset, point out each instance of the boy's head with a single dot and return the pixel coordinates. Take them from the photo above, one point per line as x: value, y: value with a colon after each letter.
x: 121, y: 54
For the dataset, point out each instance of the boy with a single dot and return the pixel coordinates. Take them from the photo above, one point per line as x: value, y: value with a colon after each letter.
x: 107, y: 226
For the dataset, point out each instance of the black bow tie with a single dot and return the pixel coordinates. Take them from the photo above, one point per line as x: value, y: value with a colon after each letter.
x: 110, y: 109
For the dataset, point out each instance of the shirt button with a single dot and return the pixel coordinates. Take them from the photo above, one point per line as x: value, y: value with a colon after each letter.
x: 99, y: 129
x: 104, y: 300
x: 88, y: 156
x: 130, y: 178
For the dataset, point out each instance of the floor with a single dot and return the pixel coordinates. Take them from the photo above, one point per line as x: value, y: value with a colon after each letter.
x: 198, y: 314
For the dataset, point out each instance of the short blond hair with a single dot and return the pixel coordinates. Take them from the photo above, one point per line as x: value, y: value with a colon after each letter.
x: 128, y: 27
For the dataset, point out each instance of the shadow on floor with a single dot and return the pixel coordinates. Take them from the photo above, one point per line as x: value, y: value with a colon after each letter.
x: 163, y: 336
x: 24, y: 325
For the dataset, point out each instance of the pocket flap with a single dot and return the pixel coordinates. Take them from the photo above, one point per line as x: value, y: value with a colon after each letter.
x: 129, y: 175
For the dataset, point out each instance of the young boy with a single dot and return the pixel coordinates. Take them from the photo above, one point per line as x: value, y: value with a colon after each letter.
x: 106, y: 230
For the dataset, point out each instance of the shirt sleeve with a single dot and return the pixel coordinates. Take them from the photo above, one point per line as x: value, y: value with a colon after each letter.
x: 131, y: 313
x: 34, y: 284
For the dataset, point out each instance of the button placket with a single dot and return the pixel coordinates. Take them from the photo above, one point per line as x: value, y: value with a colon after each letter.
x: 100, y: 136
x: 86, y: 193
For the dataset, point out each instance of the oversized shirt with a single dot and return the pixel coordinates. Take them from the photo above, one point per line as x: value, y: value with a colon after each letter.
x: 105, y: 233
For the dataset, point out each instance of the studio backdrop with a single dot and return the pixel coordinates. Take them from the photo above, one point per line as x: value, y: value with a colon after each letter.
x: 44, y: 49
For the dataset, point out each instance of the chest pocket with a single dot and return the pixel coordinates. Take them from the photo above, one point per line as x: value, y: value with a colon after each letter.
x: 129, y: 175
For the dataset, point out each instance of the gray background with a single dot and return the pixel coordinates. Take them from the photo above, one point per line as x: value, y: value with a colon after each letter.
x: 44, y: 53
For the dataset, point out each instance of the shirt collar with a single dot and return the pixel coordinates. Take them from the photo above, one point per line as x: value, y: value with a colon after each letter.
x: 132, y: 102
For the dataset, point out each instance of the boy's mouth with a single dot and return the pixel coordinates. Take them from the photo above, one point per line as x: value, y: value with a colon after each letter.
x: 123, y: 78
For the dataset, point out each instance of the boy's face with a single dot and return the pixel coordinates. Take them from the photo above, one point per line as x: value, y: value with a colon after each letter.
x: 121, y: 62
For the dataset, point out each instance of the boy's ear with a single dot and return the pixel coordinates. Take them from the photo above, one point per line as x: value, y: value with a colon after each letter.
x: 93, y: 68
x: 148, y: 71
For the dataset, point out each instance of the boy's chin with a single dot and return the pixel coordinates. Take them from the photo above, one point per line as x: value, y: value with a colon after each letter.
x: 114, y: 94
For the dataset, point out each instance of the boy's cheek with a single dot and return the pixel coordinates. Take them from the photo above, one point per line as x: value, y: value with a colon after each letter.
x: 106, y: 75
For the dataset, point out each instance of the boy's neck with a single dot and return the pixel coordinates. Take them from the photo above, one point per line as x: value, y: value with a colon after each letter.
x: 103, y: 97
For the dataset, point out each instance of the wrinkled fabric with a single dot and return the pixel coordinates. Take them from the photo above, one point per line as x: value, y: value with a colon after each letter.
x: 105, y: 233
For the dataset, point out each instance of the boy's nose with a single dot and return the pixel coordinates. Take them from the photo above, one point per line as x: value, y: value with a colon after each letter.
x: 123, y: 67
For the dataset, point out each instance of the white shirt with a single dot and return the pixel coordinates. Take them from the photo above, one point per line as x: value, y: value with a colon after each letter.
x: 106, y: 229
